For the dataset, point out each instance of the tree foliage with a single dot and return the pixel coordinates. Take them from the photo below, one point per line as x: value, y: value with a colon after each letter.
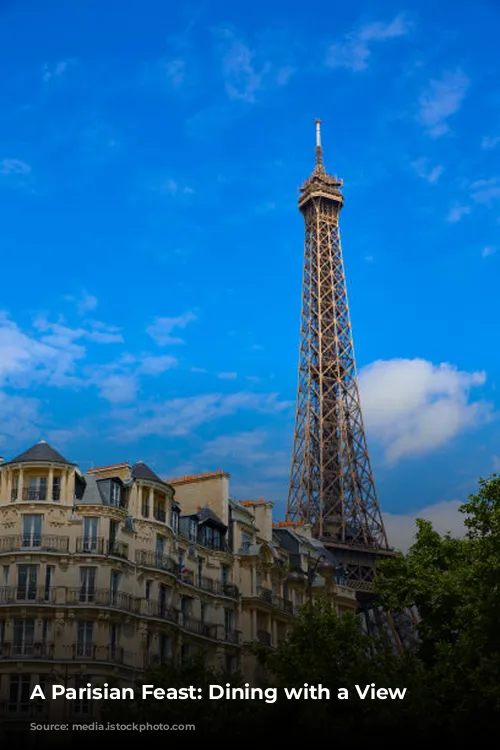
x: 452, y: 678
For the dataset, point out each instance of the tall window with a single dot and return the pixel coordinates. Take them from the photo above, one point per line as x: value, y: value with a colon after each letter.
x: 228, y: 622
x: 160, y: 549
x: 114, y: 583
x: 200, y: 569
x: 84, y: 643
x: 49, y: 575
x: 90, y: 534
x: 37, y: 488
x: 32, y: 531
x: 246, y: 541
x: 87, y: 584
x: 81, y: 706
x: 224, y: 574
x: 115, y: 494
x: 2, y: 636
x: 23, y: 642
x: 175, y: 521
x: 114, y: 638
x: 164, y: 648
x: 27, y: 581
x: 19, y: 693
x: 193, y: 530
x: 56, y: 489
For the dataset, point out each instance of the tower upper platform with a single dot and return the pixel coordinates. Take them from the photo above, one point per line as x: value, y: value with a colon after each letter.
x: 320, y: 184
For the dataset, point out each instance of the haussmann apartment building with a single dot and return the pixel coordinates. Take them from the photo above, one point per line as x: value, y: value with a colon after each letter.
x: 109, y: 573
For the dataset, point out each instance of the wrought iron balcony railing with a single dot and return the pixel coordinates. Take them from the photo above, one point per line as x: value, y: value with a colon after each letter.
x: 98, y: 545
x: 157, y: 560
x: 33, y: 594
x: 90, y: 596
x: 264, y: 637
x: 26, y: 650
x: 27, y: 542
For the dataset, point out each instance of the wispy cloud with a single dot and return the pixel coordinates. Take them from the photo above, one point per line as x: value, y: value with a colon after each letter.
x: 426, y: 172
x: 457, y: 213
x: 354, y: 51
x: 55, y: 70
x: 227, y: 375
x: 171, y: 187
x: 441, y: 100
x: 162, y: 328
x: 14, y: 167
x: 486, y: 191
x: 488, y: 251
x: 181, y: 416
x: 248, y: 71
x: 490, y: 142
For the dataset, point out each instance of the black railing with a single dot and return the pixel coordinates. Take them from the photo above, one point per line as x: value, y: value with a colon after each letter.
x: 162, y: 610
x: 88, y: 595
x: 90, y: 652
x: 157, y: 560
x: 26, y: 593
x: 98, y: 545
x: 26, y: 650
x: 159, y: 515
x: 204, y: 629
x: 26, y: 542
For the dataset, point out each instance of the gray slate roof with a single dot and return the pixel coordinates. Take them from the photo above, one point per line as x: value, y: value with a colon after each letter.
x: 141, y: 471
x: 207, y: 514
x: 42, y: 451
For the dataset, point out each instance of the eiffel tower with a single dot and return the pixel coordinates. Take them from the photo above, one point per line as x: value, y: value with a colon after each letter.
x: 331, y: 483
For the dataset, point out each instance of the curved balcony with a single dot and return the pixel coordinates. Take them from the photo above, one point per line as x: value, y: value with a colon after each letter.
x: 101, y: 546
x: 25, y: 650
x: 33, y: 543
x: 25, y: 594
x: 85, y: 597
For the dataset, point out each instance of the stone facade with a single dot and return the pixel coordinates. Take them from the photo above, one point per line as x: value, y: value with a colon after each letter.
x: 113, y: 572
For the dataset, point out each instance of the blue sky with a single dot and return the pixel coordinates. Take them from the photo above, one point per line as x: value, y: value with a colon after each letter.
x: 150, y: 160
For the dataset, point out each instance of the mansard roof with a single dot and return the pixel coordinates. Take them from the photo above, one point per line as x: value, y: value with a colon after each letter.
x: 43, y: 452
x: 141, y: 471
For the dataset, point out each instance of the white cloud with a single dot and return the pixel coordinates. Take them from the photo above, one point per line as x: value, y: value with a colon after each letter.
x: 247, y: 72
x: 356, y: 48
x: 14, y: 167
x: 457, y: 213
x: 489, y: 142
x: 156, y: 365
x: 413, y: 407
x: 118, y: 388
x: 401, y: 528
x: 227, y: 375
x: 161, y: 329
x: 249, y: 450
x: 426, y: 172
x: 442, y: 99
x: 57, y: 70
x: 488, y: 251
x: 181, y: 416
x: 485, y: 192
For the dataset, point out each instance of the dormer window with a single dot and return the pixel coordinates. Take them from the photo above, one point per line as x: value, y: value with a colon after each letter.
x: 175, y: 521
x: 115, y: 494
x: 193, y: 530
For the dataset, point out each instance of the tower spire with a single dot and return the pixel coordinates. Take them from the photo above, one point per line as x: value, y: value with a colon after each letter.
x: 319, y: 148
x: 331, y: 482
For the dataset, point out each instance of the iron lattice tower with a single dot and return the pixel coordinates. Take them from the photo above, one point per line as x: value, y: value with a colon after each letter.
x: 331, y: 484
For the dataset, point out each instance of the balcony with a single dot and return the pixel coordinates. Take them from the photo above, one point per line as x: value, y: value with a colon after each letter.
x: 161, y: 610
x: 186, y: 576
x: 217, y: 587
x: 36, y: 495
x: 267, y: 596
x: 83, y: 651
x: 100, y: 546
x: 198, y: 627
x: 26, y: 650
x: 89, y: 597
x: 148, y: 559
x: 159, y: 515
x: 10, y: 595
x: 29, y: 543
